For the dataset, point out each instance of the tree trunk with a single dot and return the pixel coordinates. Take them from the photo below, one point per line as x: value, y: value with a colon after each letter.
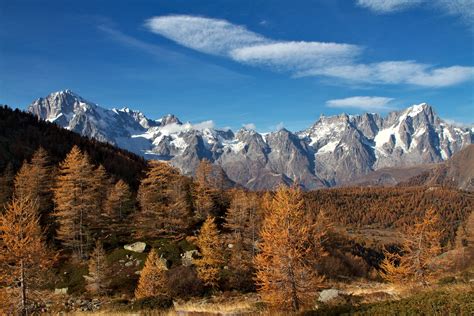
x: 23, y: 289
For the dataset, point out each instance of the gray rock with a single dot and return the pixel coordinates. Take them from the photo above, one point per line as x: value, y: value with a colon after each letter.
x: 328, y: 295
x: 187, y: 257
x: 136, y: 247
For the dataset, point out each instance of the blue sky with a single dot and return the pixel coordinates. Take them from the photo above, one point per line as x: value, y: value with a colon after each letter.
x: 263, y: 63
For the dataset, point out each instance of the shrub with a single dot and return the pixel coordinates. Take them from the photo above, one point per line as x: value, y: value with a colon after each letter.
x: 183, y: 282
x: 157, y: 302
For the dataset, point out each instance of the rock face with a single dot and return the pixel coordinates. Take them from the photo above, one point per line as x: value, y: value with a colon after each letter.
x: 334, y: 151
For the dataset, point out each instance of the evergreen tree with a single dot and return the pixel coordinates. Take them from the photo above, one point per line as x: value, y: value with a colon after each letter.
x: 165, y: 207
x: 23, y: 254
x: 98, y: 271
x: 6, y: 186
x: 152, y: 280
x: 117, y: 207
x: 421, y: 245
x: 210, y: 264
x: 77, y: 200
x: 285, y: 274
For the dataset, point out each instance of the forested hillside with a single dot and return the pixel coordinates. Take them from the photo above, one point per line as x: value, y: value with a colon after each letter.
x: 85, y: 226
x: 22, y: 133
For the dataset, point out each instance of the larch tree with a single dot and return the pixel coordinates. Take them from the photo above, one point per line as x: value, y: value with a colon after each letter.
x: 6, y: 186
x: 243, y: 219
x: 98, y: 271
x: 152, y: 282
x: 24, y: 256
x: 465, y: 242
x: 211, y: 262
x: 165, y: 206
x: 118, y: 206
x: 77, y: 202
x: 286, y: 277
x: 34, y: 180
x: 205, y: 191
x: 421, y: 244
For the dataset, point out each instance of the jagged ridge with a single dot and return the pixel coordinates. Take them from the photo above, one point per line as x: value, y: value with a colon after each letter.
x: 333, y: 151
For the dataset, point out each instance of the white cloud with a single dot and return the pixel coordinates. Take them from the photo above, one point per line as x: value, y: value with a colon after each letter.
x: 211, y: 36
x: 386, y: 6
x: 280, y: 126
x: 336, y: 60
x: 295, y: 55
x: 204, y: 125
x: 361, y: 102
x: 464, y: 9
x: 249, y: 126
x: 175, y: 128
x: 397, y: 72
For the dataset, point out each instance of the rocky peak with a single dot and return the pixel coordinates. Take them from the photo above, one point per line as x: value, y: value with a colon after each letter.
x: 169, y: 119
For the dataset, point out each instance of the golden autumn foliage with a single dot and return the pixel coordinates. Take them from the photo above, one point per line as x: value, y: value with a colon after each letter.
x: 152, y: 280
x: 165, y: 206
x: 209, y: 196
x: 23, y: 254
x: 118, y: 205
x: 465, y: 242
x: 212, y: 259
x: 98, y: 271
x: 243, y: 219
x: 77, y: 198
x: 394, y: 207
x: 34, y: 181
x: 286, y: 277
x: 421, y: 244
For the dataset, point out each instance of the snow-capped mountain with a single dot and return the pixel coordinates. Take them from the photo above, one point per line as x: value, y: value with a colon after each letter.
x: 333, y: 151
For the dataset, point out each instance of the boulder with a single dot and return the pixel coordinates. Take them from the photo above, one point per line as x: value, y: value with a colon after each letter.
x: 187, y: 257
x: 328, y: 295
x: 136, y: 247
x: 61, y: 291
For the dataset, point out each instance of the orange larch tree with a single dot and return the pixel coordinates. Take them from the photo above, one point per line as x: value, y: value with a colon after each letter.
x: 118, y: 206
x: 23, y: 254
x: 77, y: 202
x: 152, y: 282
x: 165, y: 206
x: 286, y: 277
x: 34, y: 180
x: 421, y: 244
x: 98, y: 271
x: 243, y: 219
x: 210, y: 264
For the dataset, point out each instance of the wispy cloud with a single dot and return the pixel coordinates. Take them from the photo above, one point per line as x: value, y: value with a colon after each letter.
x: 280, y: 126
x: 367, y: 103
x: 132, y: 42
x: 387, y: 6
x: 249, y: 126
x: 300, y: 58
x: 397, y: 72
x: 212, y: 36
x: 464, y: 9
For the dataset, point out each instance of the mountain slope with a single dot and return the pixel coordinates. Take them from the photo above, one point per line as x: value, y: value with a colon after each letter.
x: 457, y: 172
x: 334, y: 151
x: 22, y: 133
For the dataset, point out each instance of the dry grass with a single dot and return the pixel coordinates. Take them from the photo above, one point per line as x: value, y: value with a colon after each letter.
x: 219, y: 305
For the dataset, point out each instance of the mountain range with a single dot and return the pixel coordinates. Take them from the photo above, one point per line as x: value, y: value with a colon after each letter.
x: 335, y: 150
